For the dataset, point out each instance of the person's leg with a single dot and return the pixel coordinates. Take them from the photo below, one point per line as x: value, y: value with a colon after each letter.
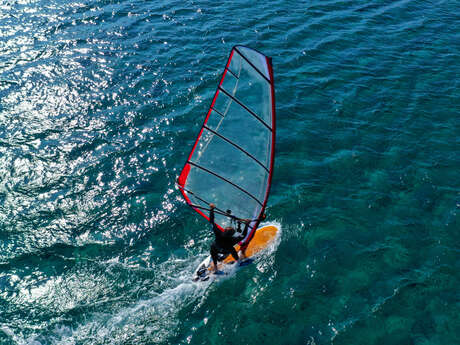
x: 243, y: 251
x: 214, y: 253
x: 234, y: 254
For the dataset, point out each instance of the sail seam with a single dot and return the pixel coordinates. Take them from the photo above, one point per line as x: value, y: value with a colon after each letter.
x: 252, y: 65
x: 226, y: 180
x: 245, y: 107
x: 233, y: 74
x: 218, y: 112
x: 238, y: 147
x: 219, y: 211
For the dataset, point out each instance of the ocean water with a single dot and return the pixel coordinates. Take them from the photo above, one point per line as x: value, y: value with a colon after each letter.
x: 100, y: 102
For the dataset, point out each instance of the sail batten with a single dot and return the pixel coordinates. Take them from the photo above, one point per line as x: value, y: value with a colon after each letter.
x: 218, y: 112
x: 225, y: 180
x: 228, y: 69
x: 231, y: 162
x: 237, y: 146
x: 255, y: 68
x: 245, y: 107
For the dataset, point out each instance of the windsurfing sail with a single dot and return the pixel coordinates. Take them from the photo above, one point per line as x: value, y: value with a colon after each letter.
x: 231, y: 162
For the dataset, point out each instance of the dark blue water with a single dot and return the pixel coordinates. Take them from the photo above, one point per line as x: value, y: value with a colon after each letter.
x: 100, y: 102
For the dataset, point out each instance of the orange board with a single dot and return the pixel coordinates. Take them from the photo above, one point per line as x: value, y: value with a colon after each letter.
x: 263, y: 237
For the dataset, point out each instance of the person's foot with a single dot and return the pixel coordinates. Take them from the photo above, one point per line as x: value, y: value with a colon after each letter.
x: 246, y: 261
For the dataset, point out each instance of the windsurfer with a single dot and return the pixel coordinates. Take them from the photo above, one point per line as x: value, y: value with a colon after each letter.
x: 225, y: 240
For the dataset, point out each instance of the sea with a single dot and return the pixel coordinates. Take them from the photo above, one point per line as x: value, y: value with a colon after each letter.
x: 100, y: 104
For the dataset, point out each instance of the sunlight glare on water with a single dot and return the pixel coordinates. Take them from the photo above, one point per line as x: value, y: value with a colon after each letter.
x: 100, y: 103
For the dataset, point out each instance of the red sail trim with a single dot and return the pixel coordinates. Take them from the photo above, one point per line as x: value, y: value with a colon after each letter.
x: 182, y: 180
x: 233, y: 74
x: 186, y: 170
x: 184, y: 174
x: 238, y: 147
x: 244, y: 106
x: 251, y: 64
x: 272, y: 153
x: 189, y: 202
x: 226, y: 181
x: 218, y: 112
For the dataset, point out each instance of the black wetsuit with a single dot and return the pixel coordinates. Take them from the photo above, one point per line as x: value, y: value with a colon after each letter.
x: 225, y: 240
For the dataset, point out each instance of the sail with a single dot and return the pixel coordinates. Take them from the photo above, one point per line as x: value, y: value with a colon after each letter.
x: 231, y: 162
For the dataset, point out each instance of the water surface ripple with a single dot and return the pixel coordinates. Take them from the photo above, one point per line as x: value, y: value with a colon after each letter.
x: 99, y: 104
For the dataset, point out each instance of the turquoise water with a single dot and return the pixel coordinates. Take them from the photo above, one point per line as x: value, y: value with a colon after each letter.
x: 99, y: 104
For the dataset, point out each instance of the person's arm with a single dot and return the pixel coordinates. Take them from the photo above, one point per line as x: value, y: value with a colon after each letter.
x: 242, y: 235
x: 211, y: 213
x: 215, y: 229
x: 246, y: 227
x: 247, y: 222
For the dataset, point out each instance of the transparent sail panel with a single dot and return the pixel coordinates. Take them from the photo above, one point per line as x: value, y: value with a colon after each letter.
x: 232, y: 161
x: 211, y: 188
x: 236, y: 167
x: 257, y: 59
x: 252, y: 89
x: 242, y: 128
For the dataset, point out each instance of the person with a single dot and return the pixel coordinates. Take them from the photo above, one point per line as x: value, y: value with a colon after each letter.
x: 225, y: 240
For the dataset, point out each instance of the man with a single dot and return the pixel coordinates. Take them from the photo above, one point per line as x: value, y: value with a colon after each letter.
x: 225, y: 240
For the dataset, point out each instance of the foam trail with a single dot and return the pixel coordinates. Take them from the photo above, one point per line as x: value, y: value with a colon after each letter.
x: 158, y: 312
x: 152, y: 317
